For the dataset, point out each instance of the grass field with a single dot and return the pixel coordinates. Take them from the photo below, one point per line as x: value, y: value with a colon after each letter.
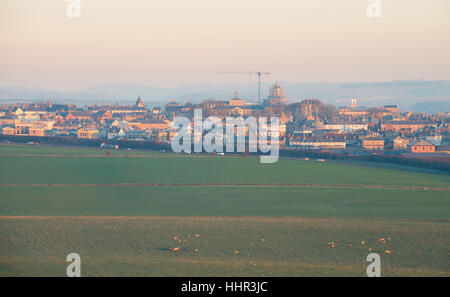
x: 15, y: 149
x: 121, y: 214
x: 224, y: 201
x: 188, y: 170
x: 139, y: 246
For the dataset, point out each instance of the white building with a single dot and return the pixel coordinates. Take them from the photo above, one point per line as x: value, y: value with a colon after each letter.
x: 345, y: 126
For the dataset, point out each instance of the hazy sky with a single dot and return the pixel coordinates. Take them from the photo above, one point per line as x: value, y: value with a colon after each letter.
x: 178, y: 42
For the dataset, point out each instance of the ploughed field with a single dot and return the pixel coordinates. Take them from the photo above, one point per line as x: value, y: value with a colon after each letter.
x: 124, y: 214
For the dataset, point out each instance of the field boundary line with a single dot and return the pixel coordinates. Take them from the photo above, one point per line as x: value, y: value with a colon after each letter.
x: 224, y: 219
x: 300, y: 185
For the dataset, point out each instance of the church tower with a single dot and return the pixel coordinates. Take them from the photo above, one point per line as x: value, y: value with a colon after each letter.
x: 139, y: 102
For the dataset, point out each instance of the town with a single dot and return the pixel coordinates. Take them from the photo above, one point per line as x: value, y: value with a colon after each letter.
x: 304, y: 125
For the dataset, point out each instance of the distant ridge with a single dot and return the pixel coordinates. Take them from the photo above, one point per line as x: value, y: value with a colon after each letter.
x: 419, y: 95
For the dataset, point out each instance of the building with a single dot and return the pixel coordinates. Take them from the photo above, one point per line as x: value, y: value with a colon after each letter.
x: 373, y: 143
x: 276, y: 95
x: 87, y: 133
x: 138, y: 135
x: 246, y: 111
x: 37, y: 131
x: 78, y: 115
x: 103, y: 115
x: 307, y: 109
x: 8, y: 130
x: 8, y: 120
x: 345, y: 126
x: 401, y: 143
x: 139, y: 103
x: 318, y: 143
x: 391, y: 108
x: 23, y: 128
x: 139, y: 107
x: 236, y: 101
x: 422, y: 146
x: 18, y: 112
x: 406, y: 126
x: 115, y: 132
x: 172, y: 109
x: 156, y: 110
x: 211, y: 107
x: 36, y: 110
x: 129, y: 117
x: 150, y: 124
x: 353, y: 111
x: 434, y: 139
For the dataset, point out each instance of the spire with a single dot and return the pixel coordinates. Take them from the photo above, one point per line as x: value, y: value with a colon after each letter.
x: 139, y: 102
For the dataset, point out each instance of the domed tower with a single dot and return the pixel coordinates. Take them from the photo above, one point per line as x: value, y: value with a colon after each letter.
x: 276, y: 95
x: 236, y: 101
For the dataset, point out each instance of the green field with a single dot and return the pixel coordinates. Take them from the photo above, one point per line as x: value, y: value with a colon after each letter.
x: 121, y: 213
x: 139, y: 246
x: 16, y: 149
x: 189, y: 170
x: 223, y: 201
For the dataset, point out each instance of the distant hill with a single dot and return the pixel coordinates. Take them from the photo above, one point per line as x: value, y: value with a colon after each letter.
x: 420, y: 95
x: 432, y: 107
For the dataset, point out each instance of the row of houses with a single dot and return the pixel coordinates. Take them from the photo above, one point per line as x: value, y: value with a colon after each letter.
x: 371, y: 143
x: 305, y: 124
x: 132, y: 122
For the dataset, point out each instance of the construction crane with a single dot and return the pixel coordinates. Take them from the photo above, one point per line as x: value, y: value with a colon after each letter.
x: 259, y: 73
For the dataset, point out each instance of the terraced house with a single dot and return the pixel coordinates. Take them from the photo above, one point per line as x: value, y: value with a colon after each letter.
x: 408, y: 126
x: 318, y: 143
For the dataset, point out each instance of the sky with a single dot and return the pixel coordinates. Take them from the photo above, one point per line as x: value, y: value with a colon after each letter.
x: 168, y: 43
